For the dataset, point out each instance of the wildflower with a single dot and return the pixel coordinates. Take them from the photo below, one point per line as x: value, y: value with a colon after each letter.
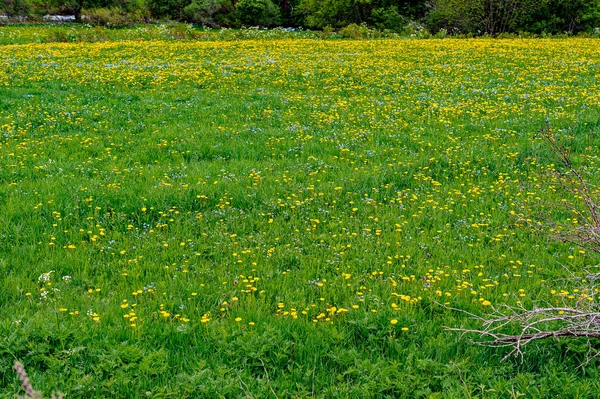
x: 45, y: 277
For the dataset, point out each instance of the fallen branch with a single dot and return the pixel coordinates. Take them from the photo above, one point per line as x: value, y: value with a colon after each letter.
x: 534, y: 324
x: 573, y: 320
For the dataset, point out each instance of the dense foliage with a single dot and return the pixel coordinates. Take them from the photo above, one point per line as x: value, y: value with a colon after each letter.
x: 403, y: 16
x: 499, y: 16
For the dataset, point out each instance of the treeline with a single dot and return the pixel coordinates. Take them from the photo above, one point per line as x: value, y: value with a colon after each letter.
x: 477, y: 17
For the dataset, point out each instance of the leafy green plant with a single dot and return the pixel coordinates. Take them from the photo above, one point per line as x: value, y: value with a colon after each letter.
x: 111, y: 17
x: 14, y: 8
x: 258, y: 12
x: 213, y: 13
x: 480, y: 16
x: 388, y: 18
x: 354, y: 31
x: 167, y: 9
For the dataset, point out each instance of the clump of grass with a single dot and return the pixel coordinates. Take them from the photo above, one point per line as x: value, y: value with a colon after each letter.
x: 30, y: 393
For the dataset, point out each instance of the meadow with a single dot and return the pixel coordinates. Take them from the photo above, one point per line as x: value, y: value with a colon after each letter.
x: 287, y: 218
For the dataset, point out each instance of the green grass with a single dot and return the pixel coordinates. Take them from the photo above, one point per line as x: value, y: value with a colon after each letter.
x: 71, y: 32
x: 193, y: 188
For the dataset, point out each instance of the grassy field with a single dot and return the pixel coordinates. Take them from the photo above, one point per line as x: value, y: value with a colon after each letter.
x: 286, y: 218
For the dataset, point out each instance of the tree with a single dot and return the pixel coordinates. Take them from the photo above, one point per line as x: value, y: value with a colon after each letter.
x: 289, y: 13
x: 172, y: 9
x: 386, y: 14
x: 259, y: 12
x: 500, y: 16
x: 14, y: 7
x: 480, y: 16
x: 557, y: 16
x: 211, y: 13
x: 336, y: 13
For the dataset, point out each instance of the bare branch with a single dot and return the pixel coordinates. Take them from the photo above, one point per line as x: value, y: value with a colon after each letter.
x: 579, y: 320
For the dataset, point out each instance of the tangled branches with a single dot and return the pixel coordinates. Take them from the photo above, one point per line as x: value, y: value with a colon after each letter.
x: 579, y: 320
x: 579, y: 200
x: 535, y: 324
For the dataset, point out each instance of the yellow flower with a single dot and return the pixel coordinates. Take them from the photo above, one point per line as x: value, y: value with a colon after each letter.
x: 394, y: 321
x: 238, y: 319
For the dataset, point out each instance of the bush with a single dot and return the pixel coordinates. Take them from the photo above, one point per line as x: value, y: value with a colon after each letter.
x: 327, y: 32
x: 501, y: 16
x: 388, y: 18
x: 213, y: 13
x: 362, y: 31
x: 558, y: 16
x: 113, y: 16
x: 14, y: 8
x: 170, y: 9
x: 481, y: 16
x: 416, y: 30
x: 321, y: 13
x: 259, y: 12
x: 354, y: 31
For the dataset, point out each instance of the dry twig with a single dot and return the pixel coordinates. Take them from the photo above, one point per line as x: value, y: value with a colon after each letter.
x: 542, y: 322
x: 30, y: 393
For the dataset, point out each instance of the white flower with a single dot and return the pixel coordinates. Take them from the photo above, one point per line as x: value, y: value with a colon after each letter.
x: 45, y: 277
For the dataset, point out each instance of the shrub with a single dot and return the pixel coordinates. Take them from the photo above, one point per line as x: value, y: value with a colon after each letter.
x: 416, y: 30
x: 213, y: 13
x: 354, y: 31
x: 327, y: 32
x: 13, y: 8
x: 170, y: 9
x: 258, y: 12
x: 113, y: 16
x: 388, y: 18
x: 321, y: 13
x: 499, y: 16
x: 481, y: 16
x: 362, y: 31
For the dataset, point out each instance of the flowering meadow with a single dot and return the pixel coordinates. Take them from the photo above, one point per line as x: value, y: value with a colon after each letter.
x: 287, y: 218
